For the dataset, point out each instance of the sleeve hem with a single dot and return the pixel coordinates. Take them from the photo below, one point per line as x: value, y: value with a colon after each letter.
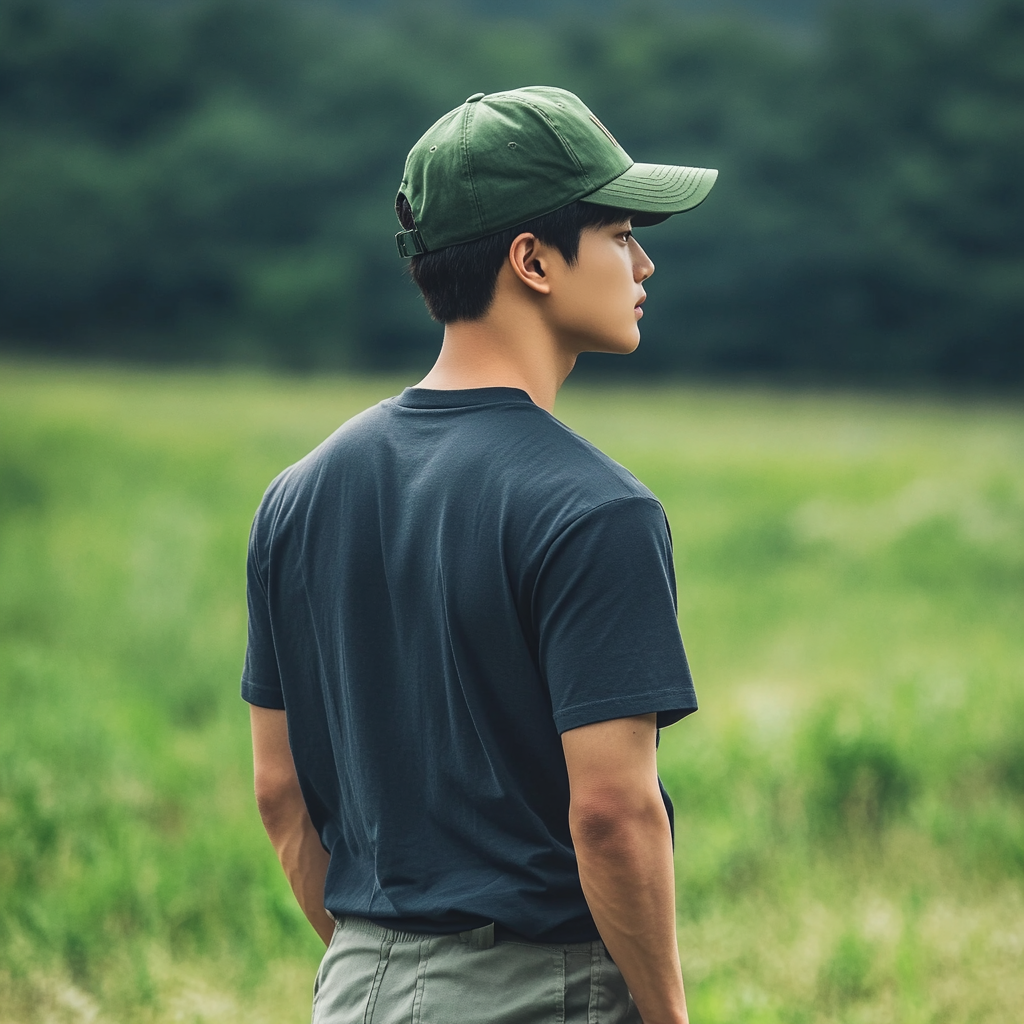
x: 262, y: 696
x: 669, y: 705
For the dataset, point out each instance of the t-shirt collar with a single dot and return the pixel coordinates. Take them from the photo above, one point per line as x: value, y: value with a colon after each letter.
x: 430, y: 398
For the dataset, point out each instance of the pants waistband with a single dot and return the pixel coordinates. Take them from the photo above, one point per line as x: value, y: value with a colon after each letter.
x: 483, y: 937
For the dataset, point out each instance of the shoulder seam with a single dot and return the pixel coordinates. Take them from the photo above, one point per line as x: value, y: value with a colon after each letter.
x: 650, y: 499
x: 611, y: 501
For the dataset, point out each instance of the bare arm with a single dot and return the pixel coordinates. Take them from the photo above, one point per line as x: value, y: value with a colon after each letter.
x: 624, y: 850
x: 285, y: 817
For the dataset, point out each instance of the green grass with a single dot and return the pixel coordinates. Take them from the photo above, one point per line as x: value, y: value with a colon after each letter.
x: 850, y: 798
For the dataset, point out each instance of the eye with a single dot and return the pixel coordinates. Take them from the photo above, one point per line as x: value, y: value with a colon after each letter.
x: 626, y: 235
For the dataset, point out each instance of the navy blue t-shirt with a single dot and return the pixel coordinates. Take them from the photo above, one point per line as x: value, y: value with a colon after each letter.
x: 436, y: 593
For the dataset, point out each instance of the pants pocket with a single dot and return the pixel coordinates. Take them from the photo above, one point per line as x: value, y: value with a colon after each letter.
x: 348, y: 978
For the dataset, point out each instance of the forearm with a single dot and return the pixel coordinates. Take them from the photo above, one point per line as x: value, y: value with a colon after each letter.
x: 627, y: 873
x: 284, y: 814
x: 302, y: 857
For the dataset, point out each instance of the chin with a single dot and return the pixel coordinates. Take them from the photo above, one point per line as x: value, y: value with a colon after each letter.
x: 623, y: 346
x: 613, y: 345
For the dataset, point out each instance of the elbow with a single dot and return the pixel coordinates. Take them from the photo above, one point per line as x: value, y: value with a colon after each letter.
x: 276, y: 797
x: 595, y: 827
x: 610, y: 821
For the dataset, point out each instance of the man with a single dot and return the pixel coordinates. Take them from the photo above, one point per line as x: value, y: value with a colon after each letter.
x: 462, y: 621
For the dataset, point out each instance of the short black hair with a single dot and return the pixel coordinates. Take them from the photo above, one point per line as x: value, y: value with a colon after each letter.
x: 458, y: 282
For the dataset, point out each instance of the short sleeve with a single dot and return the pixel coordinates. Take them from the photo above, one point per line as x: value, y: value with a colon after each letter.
x: 261, y: 680
x: 605, y: 613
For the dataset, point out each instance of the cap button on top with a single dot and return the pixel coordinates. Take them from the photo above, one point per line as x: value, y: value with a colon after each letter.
x: 476, y: 96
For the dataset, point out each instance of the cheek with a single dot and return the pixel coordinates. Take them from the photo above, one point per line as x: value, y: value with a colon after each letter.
x: 599, y: 297
x: 617, y: 290
x: 602, y: 303
x: 612, y: 278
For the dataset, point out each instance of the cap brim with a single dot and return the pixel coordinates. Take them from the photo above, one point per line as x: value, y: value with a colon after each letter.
x: 656, y: 191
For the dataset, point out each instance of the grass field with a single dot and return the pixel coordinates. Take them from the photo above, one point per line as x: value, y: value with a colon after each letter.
x: 850, y: 797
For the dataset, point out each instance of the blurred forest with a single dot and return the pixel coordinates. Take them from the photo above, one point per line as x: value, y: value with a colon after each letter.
x: 214, y: 180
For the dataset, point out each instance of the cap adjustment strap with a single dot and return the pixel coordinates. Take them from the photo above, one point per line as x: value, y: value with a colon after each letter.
x: 410, y: 244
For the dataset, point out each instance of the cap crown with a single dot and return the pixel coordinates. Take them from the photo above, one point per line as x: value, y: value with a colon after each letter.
x: 504, y: 158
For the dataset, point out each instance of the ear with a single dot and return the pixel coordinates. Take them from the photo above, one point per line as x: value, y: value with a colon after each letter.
x: 530, y: 261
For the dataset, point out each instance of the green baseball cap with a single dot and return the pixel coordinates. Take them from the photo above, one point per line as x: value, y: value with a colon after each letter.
x: 504, y: 158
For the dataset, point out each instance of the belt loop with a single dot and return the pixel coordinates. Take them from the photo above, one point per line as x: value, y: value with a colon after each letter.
x: 482, y: 938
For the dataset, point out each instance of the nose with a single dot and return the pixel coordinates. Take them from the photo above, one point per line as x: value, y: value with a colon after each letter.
x: 643, y: 267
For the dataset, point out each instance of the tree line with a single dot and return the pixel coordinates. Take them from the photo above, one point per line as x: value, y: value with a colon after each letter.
x: 214, y: 180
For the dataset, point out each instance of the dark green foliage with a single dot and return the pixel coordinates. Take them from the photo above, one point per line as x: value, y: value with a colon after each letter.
x: 858, y: 780
x: 21, y: 490
x: 1009, y: 762
x: 214, y: 180
x: 844, y: 976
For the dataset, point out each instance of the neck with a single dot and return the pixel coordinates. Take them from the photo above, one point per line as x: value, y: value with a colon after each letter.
x: 512, y: 346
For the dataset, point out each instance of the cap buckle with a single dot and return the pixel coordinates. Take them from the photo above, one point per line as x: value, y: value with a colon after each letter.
x: 410, y: 244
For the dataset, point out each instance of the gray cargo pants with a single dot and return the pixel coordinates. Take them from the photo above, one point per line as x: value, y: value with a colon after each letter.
x: 371, y: 975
